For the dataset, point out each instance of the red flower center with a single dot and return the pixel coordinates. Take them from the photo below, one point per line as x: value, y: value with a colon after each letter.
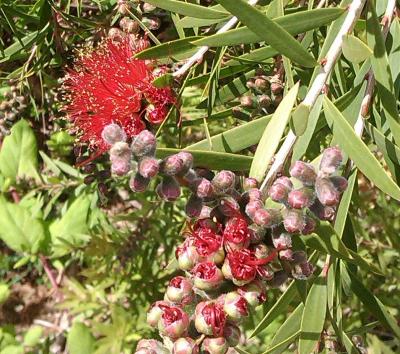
x: 171, y: 314
x: 205, y: 270
x: 206, y: 241
x: 176, y: 282
x: 236, y: 231
x: 215, y: 317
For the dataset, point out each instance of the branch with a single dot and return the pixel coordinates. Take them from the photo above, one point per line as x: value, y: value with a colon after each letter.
x: 198, y: 56
x: 318, y: 85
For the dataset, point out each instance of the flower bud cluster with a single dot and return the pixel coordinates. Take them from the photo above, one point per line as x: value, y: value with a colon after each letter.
x: 234, y: 247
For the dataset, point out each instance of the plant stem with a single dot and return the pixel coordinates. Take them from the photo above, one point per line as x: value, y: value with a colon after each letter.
x: 198, y: 56
x: 317, y: 86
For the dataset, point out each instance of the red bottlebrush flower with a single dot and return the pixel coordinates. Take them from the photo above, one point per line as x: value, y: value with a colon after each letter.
x: 174, y: 322
x: 236, y: 234
x: 210, y: 318
x: 107, y: 85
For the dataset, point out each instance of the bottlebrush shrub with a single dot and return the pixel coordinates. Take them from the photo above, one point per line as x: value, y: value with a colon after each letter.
x: 235, y: 248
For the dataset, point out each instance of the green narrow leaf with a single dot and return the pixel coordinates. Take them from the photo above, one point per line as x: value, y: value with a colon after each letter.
x: 300, y: 119
x: 312, y: 322
x: 268, y: 30
x: 18, y: 229
x: 373, y: 304
x: 294, y: 24
x: 187, y: 9
x: 382, y: 72
x: 273, y: 134
x: 354, y: 49
x: 18, y: 154
x: 213, y: 160
x: 358, y: 151
x: 168, y: 49
x: 80, y: 340
x: 277, y: 308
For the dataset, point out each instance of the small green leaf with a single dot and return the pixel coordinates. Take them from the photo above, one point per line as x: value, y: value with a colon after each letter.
x: 80, y: 340
x: 168, y: 49
x: 213, y: 160
x: 18, y: 229
x: 163, y: 80
x: 32, y: 336
x: 312, y: 322
x: 354, y: 49
x: 269, y: 31
x: 273, y: 134
x: 18, y: 155
x: 358, y: 151
x: 300, y: 119
x: 4, y: 293
x: 187, y: 9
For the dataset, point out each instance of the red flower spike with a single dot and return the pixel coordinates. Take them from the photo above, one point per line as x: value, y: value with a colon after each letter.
x: 107, y: 85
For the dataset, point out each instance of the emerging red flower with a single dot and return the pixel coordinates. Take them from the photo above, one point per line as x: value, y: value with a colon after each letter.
x: 107, y: 85
x: 206, y: 241
x: 236, y: 234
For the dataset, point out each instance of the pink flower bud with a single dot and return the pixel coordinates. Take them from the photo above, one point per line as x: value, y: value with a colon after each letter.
x: 309, y: 226
x: 120, y: 150
x: 138, y: 183
x: 120, y: 166
x: 250, y: 183
x: 232, y: 334
x: 145, y: 351
x: 155, y: 312
x: 248, y: 101
x: 172, y: 165
x: 185, y: 346
x: 265, y: 272
x: 286, y: 255
x: 326, y: 192
x: 174, y: 322
x: 261, y: 84
x: 302, y: 271
x: 257, y: 233
x: 187, y: 159
x: 293, y: 220
x: 144, y: 144
x: 303, y: 172
x: 331, y: 159
x: 210, y: 318
x: 207, y: 276
x: 252, y: 207
x: 204, y: 188
x: 228, y: 206
x: 215, y: 345
x: 150, y: 344
x: 187, y: 256
x: 224, y: 181
x: 180, y: 290
x: 169, y: 189
x: 339, y: 182
x: 260, y: 251
x: 236, y: 234
x: 194, y: 207
x: 255, y: 293
x: 113, y: 133
x: 148, y: 167
x: 251, y: 194
x: 285, y: 181
x: 235, y: 306
x: 322, y: 212
x: 279, y: 192
x: 267, y: 217
x: 282, y: 240
x: 301, y: 198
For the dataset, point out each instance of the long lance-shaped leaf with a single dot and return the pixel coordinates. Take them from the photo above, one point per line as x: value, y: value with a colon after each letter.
x: 167, y: 49
x: 358, y: 151
x: 294, y: 24
x: 213, y: 160
x: 273, y: 134
x: 187, y: 9
x: 269, y: 31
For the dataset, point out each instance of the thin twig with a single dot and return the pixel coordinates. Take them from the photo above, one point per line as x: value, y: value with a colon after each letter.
x: 198, y: 56
x: 317, y: 86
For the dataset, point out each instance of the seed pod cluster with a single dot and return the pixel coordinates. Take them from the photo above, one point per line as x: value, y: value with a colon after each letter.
x: 234, y: 248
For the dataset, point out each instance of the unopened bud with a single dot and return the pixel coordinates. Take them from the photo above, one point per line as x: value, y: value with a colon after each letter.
x: 309, y: 225
x: 180, y: 290
x: 207, y: 276
x: 148, y: 7
x: 276, y: 86
x: 302, y: 271
x: 153, y: 23
x: 252, y: 207
x: 204, y: 188
x: 249, y: 183
x: 185, y: 346
x: 120, y: 150
x: 257, y: 233
x: 248, y: 102
x: 323, y: 212
x: 138, y: 183
x: 148, y: 167
x: 187, y: 159
x: 153, y: 345
x: 215, y: 345
x: 144, y: 144
x: 168, y: 189
x: 261, y: 84
x: 254, y: 194
x: 129, y: 25
x: 282, y: 240
x: 187, y: 256
x: 293, y: 220
x: 123, y: 7
x: 229, y: 206
x: 326, y: 192
x: 261, y: 250
x: 265, y: 272
x: 301, y: 198
x: 155, y: 312
x: 303, y: 172
x: 224, y: 181
x: 235, y: 306
x: 267, y: 217
x: 255, y: 293
x: 331, y: 159
x: 339, y: 182
x: 194, y: 207
x: 279, y: 192
x: 174, y: 322
x: 286, y: 255
x: 232, y: 334
x: 113, y: 133
x: 172, y: 165
x: 265, y: 101
x: 120, y: 166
